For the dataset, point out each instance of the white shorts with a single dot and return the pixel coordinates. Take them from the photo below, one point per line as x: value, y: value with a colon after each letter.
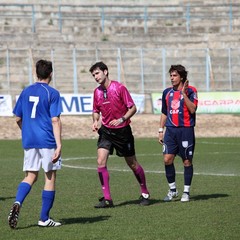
x: 34, y: 158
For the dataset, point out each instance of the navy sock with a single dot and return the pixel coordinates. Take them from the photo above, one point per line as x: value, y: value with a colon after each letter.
x: 22, y: 191
x: 188, y: 175
x: 170, y: 173
x: 47, y: 203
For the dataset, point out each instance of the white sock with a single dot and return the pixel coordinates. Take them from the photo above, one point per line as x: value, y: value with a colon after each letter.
x: 172, y: 185
x: 186, y: 188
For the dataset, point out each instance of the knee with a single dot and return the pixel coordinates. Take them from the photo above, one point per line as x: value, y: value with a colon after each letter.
x: 132, y: 162
x: 133, y: 166
x: 168, y: 160
x: 35, y: 179
x: 31, y: 179
x: 187, y: 163
x: 101, y: 162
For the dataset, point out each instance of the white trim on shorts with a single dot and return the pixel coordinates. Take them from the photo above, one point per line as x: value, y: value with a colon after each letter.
x: 35, y: 158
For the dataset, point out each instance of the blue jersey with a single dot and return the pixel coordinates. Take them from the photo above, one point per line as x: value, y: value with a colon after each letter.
x: 36, y: 106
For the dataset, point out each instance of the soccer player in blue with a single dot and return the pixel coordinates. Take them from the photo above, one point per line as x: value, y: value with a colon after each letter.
x: 37, y: 111
x: 179, y: 105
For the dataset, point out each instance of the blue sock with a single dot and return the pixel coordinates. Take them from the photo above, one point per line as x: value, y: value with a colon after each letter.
x: 188, y: 175
x: 47, y: 203
x: 170, y: 173
x: 22, y: 191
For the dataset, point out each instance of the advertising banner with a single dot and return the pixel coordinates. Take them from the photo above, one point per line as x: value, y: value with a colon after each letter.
x: 81, y: 104
x: 208, y: 102
x: 157, y: 102
x: 139, y: 100
x: 77, y: 104
x: 219, y: 102
x: 6, y: 105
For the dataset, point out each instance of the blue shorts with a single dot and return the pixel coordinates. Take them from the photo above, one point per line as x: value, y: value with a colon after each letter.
x: 120, y: 139
x: 179, y: 141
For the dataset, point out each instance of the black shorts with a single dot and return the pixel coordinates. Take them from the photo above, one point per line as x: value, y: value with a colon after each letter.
x: 120, y: 139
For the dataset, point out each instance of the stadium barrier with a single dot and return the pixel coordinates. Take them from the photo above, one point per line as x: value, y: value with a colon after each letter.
x: 81, y: 104
x: 189, y: 17
x: 142, y: 70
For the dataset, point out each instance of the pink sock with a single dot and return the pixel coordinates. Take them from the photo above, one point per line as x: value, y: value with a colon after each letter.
x: 104, y: 180
x: 140, y: 175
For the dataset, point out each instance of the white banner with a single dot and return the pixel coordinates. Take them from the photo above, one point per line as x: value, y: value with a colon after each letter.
x: 219, y: 102
x: 139, y: 100
x: 77, y: 104
x: 208, y: 102
x: 6, y: 105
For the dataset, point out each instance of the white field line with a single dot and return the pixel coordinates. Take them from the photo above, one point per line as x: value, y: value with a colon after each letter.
x: 215, y: 143
x: 150, y: 171
x: 129, y: 170
x: 147, y: 155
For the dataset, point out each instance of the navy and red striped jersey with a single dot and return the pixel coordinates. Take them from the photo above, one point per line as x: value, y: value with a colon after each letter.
x: 174, y: 107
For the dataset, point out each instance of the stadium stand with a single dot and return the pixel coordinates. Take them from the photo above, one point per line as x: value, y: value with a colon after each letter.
x: 138, y: 40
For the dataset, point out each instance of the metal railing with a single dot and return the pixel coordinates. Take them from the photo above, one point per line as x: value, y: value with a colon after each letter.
x: 182, y: 15
x: 9, y: 12
x: 142, y: 70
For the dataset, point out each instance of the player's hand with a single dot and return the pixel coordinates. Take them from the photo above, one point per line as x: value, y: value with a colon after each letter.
x: 185, y: 86
x: 160, y: 138
x: 116, y: 122
x: 95, y: 126
x: 56, y: 155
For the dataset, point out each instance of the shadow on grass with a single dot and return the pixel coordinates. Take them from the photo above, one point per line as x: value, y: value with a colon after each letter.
x: 28, y: 226
x: 6, y: 198
x: 83, y: 220
x: 192, y: 198
x: 66, y: 221
x: 136, y: 202
x: 209, y: 196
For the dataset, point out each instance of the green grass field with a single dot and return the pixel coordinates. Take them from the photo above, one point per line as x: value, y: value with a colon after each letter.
x: 212, y: 213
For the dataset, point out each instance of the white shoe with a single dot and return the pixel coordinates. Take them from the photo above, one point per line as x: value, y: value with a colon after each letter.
x: 185, y: 197
x: 170, y: 195
x: 49, y: 223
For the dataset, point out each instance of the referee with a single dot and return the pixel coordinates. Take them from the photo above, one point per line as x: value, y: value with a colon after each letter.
x: 113, y: 103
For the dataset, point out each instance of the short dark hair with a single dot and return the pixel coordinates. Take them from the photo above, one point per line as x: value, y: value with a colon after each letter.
x: 43, y: 69
x: 181, y: 71
x: 101, y: 65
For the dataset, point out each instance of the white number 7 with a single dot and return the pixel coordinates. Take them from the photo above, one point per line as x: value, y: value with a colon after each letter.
x: 35, y: 101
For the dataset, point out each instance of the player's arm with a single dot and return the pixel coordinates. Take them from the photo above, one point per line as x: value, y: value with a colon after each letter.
x: 19, y: 122
x: 131, y: 111
x: 190, y: 105
x: 163, y: 120
x: 95, y: 118
x: 57, y: 131
x: 129, y: 103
